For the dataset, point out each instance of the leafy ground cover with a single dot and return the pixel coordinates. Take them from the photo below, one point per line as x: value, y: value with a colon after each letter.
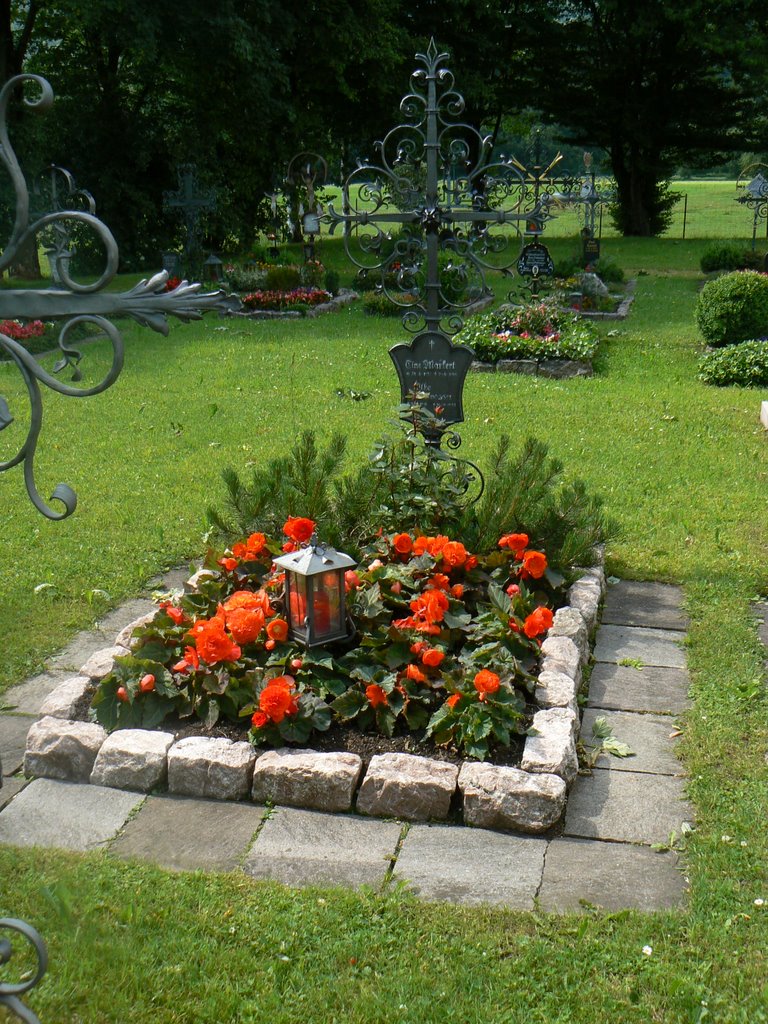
x: 684, y: 471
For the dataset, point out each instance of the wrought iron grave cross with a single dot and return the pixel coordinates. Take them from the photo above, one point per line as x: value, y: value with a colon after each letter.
x: 148, y: 303
x: 436, y: 186
x: 191, y: 200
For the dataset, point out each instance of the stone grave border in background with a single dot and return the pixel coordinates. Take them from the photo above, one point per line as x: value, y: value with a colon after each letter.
x: 61, y: 745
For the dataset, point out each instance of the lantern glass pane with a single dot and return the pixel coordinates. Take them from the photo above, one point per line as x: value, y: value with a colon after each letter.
x: 297, y: 599
x: 332, y: 586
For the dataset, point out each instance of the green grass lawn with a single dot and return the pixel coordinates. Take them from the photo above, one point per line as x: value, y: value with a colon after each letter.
x: 684, y: 472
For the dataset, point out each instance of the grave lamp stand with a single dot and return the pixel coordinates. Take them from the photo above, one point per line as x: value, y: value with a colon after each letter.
x: 315, y: 595
x: 213, y: 269
x: 311, y: 227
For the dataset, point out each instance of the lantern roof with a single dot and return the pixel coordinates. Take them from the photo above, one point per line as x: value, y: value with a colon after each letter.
x: 314, y: 559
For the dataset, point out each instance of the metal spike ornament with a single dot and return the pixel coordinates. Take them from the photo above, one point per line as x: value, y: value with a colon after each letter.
x: 148, y: 303
x: 450, y: 208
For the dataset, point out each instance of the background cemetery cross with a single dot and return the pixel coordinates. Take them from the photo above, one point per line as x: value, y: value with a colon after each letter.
x: 753, y: 192
x: 191, y: 200
x: 435, y: 184
x: 60, y: 193
x: 148, y: 303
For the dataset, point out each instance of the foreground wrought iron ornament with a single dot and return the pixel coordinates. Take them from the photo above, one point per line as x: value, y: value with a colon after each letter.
x: 148, y: 303
x: 433, y: 191
x: 753, y: 192
x: 9, y: 993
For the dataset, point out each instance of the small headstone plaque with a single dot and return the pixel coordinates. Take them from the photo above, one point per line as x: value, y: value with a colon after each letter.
x: 431, y: 364
x: 535, y: 261
x: 591, y: 250
x: 172, y: 264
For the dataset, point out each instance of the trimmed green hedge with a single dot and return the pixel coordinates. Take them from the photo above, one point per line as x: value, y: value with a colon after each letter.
x: 733, y: 308
x: 745, y: 365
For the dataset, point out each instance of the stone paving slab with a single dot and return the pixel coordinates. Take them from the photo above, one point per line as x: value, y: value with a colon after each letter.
x: 628, y: 603
x: 65, y: 815
x: 298, y: 847
x: 79, y: 650
x: 649, y: 646
x: 663, y: 690
x: 189, y: 835
x: 471, y: 866
x: 629, y: 807
x: 13, y: 741
x: 27, y: 697
x: 613, y: 876
x: 111, y: 623
x: 10, y: 788
x: 648, y: 736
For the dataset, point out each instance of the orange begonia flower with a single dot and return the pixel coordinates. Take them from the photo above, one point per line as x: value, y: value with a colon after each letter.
x: 471, y: 563
x: 245, y: 624
x: 277, y: 630
x: 432, y: 658
x: 454, y: 553
x: 256, y: 544
x: 534, y: 563
x: 439, y: 581
x: 259, y: 720
x: 453, y: 700
x: 486, y: 683
x: 213, y: 644
x: 538, y: 622
x: 414, y: 672
x: 516, y: 542
x: 402, y: 543
x: 299, y: 529
x: 278, y: 699
x: 457, y: 591
x: 376, y: 695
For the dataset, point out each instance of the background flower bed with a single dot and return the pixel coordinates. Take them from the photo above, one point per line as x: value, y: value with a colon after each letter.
x: 539, y: 331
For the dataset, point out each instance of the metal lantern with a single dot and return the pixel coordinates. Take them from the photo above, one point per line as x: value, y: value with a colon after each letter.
x: 315, y: 595
x: 213, y: 269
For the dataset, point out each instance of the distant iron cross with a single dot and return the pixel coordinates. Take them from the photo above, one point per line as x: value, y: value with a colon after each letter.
x: 191, y: 200
x: 148, y: 303
x: 435, y: 183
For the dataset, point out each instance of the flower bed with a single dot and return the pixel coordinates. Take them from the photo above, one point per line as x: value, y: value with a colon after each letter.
x: 296, y: 300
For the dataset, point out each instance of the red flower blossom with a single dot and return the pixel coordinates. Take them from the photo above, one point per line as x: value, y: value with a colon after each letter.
x: 213, y: 644
x: 277, y: 699
x: 245, y: 624
x: 278, y: 630
x: 457, y: 591
x: 377, y: 697
x: 259, y: 720
x: 173, y: 613
x: 190, y: 660
x: 402, y: 543
x: 414, y: 672
x: 298, y: 529
x: 454, y: 554
x: 228, y: 563
x: 538, y: 622
x: 432, y: 657
x: 516, y: 542
x: 534, y: 564
x: 351, y: 580
x: 486, y: 683
x: 453, y: 700
x: 471, y: 563
x: 147, y: 683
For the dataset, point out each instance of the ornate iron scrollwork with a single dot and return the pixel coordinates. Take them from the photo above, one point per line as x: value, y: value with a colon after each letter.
x: 9, y: 993
x: 148, y: 303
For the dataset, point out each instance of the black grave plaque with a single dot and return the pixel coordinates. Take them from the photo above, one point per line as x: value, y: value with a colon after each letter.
x: 535, y: 261
x: 432, y: 365
x: 591, y: 250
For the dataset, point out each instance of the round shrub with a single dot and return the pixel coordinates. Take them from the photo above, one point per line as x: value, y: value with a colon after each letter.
x: 745, y: 365
x: 733, y: 308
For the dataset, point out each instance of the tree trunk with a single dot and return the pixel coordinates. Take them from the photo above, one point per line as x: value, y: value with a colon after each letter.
x: 26, y: 266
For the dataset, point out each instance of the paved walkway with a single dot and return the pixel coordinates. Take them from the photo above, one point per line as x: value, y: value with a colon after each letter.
x: 603, y: 858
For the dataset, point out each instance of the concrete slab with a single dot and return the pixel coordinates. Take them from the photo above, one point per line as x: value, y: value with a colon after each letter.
x: 613, y: 876
x: 309, y: 848
x: 648, y: 736
x: 79, y: 650
x: 111, y: 623
x: 27, y: 698
x: 662, y: 690
x: 65, y: 815
x: 760, y: 610
x: 639, y: 643
x: 440, y: 862
x: 629, y: 807
x: 13, y: 741
x: 658, y: 605
x: 189, y: 835
x: 10, y: 788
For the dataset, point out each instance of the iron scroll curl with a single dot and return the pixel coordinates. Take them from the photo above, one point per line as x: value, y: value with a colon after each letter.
x: 10, y: 992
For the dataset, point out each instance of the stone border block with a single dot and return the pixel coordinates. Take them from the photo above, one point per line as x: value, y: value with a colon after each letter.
x: 64, y: 701
x: 134, y: 759
x: 101, y: 663
x: 206, y: 767
x: 562, y: 655
x: 61, y: 749
x: 553, y: 750
x: 407, y: 786
x: 306, y: 778
x: 125, y: 637
x: 569, y: 622
x: 500, y: 797
x: 556, y: 690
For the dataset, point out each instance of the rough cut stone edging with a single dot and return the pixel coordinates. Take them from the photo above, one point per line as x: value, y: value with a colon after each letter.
x: 529, y: 799
x: 558, y: 369
x: 344, y: 298
x: 621, y: 313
